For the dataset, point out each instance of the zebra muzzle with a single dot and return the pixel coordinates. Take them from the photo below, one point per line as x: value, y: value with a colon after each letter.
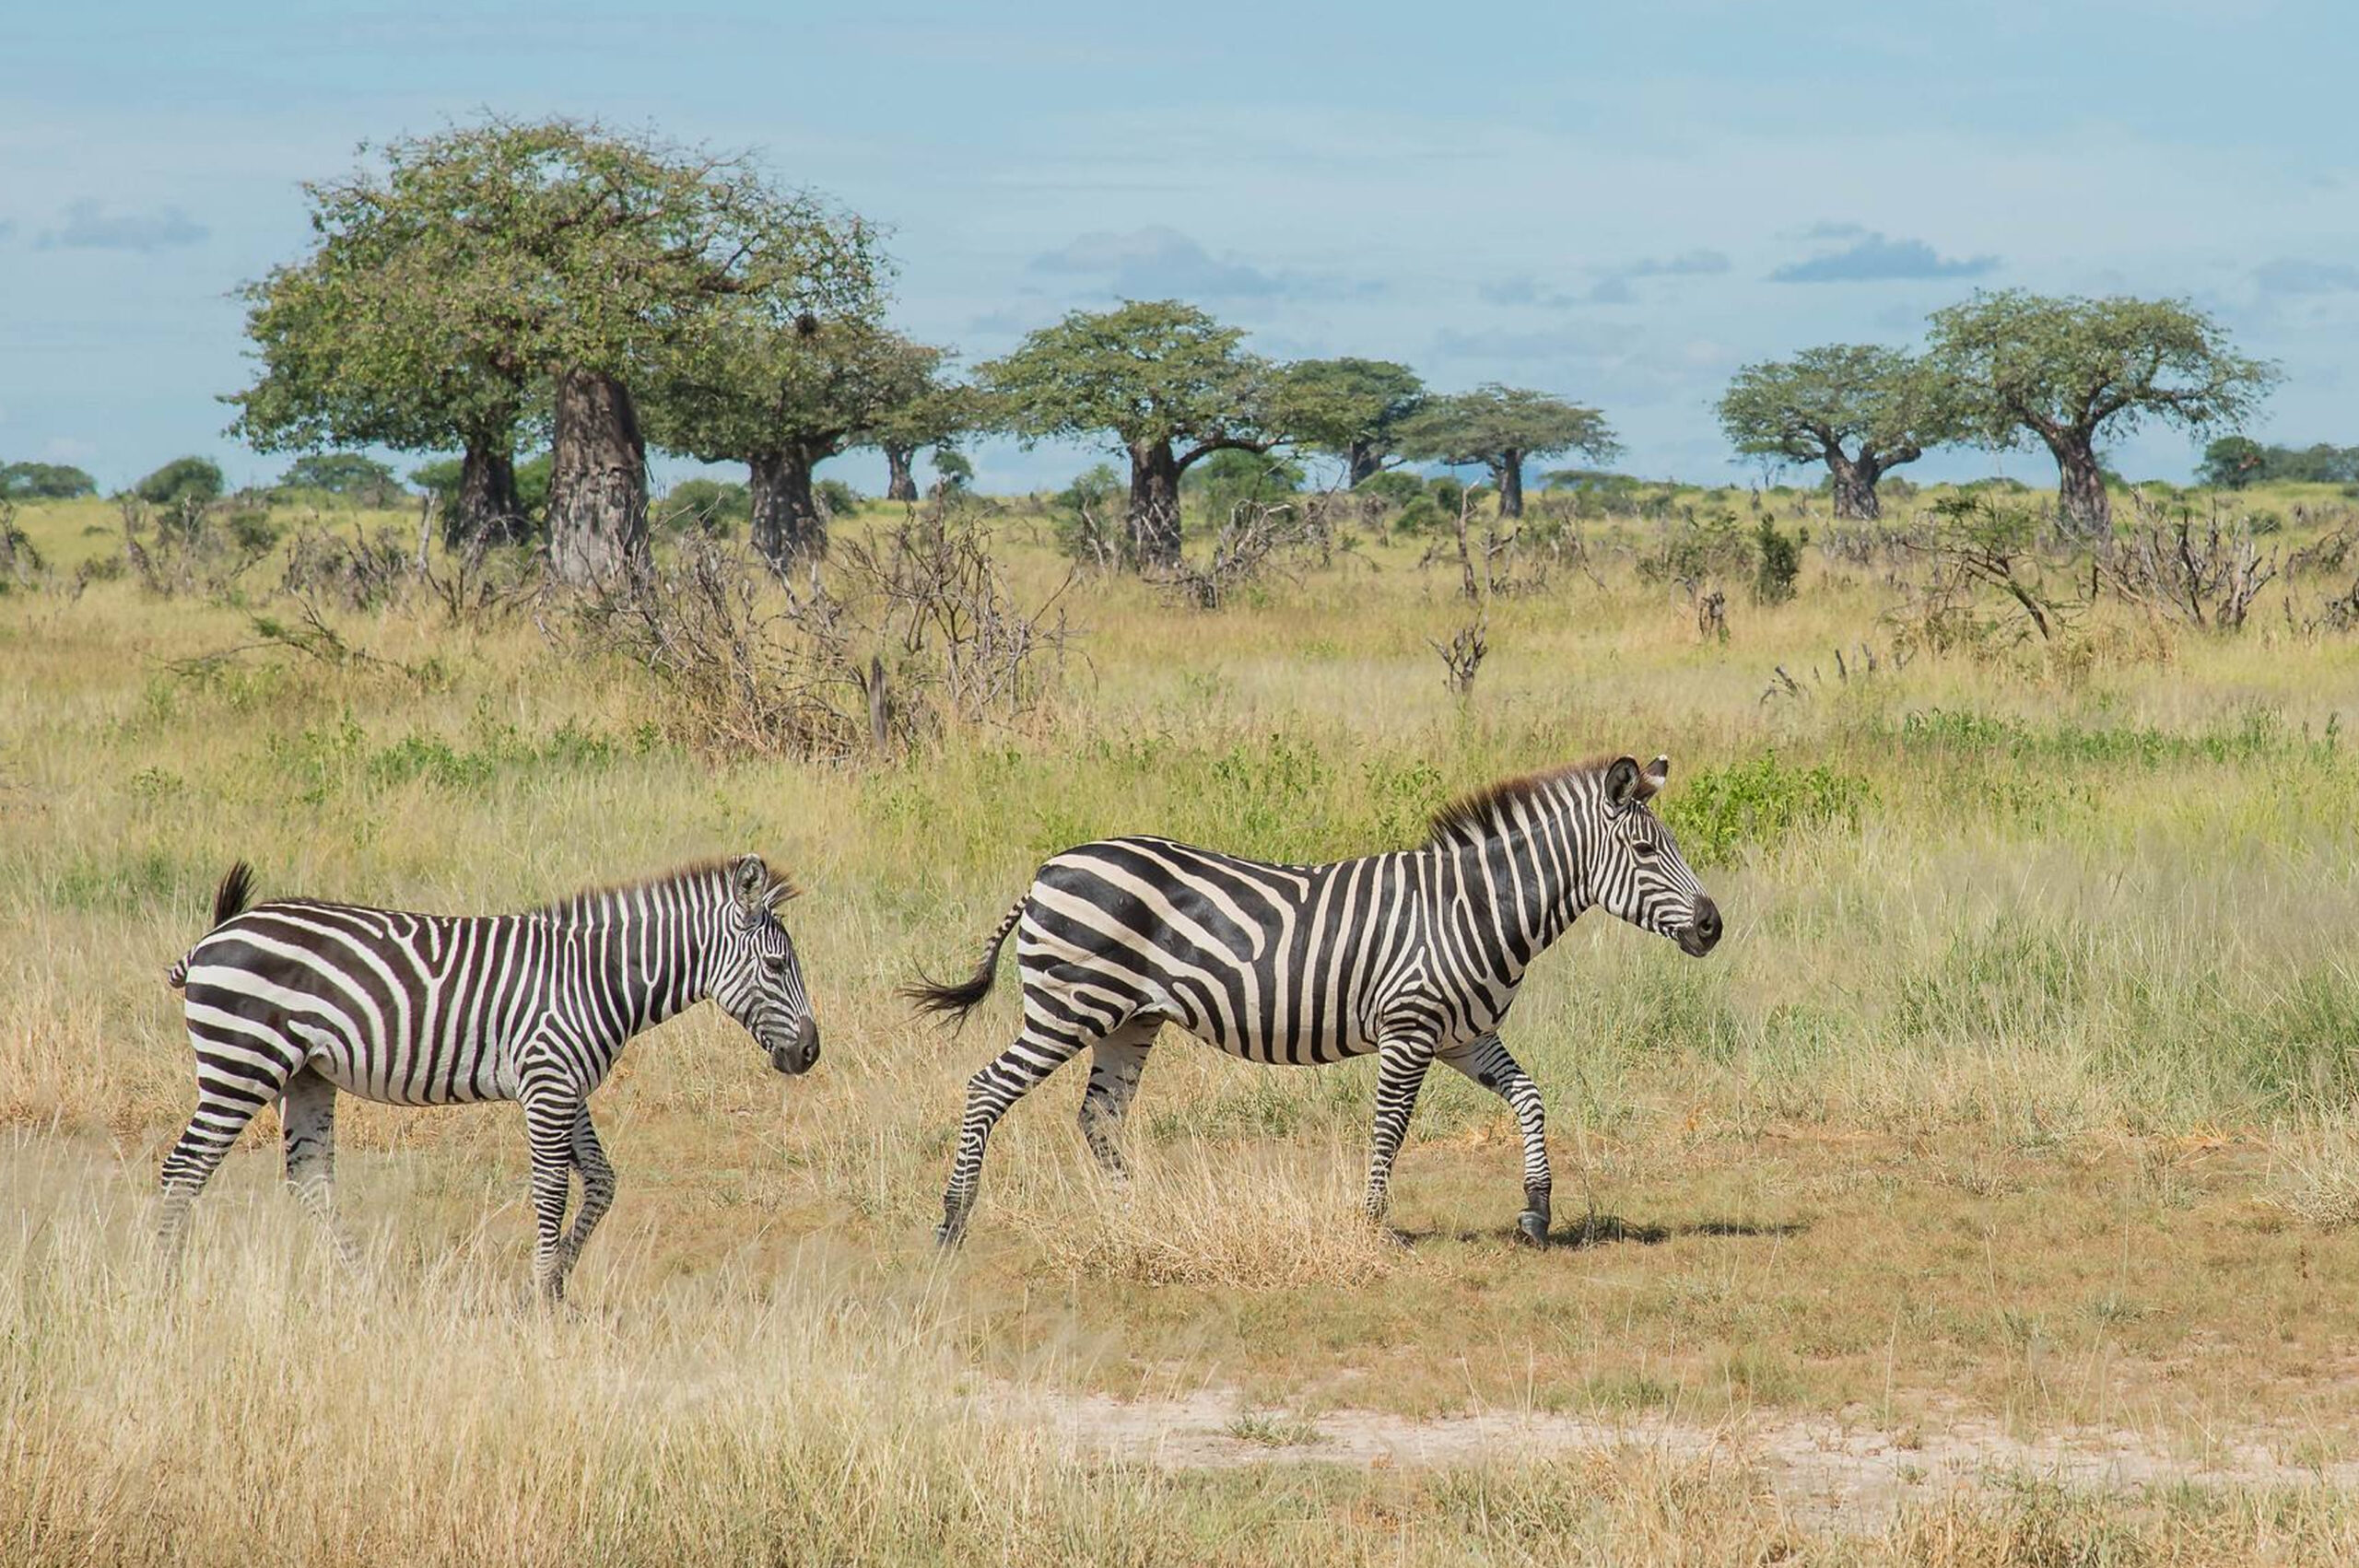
x: 800, y: 1056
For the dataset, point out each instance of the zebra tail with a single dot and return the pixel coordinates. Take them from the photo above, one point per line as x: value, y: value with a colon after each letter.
x: 229, y: 900
x: 962, y: 997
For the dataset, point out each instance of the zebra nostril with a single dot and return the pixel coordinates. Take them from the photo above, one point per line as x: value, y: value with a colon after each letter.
x: 809, y: 1041
x: 1707, y: 919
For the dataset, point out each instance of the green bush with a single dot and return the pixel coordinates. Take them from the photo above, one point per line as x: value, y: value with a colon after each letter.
x: 184, y: 481
x: 710, y: 506
x: 363, y: 479
x: 1759, y: 804
x: 45, y: 482
x: 1778, y: 561
x: 840, y: 498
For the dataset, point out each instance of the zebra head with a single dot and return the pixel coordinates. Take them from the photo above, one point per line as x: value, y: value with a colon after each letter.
x: 1636, y: 871
x: 754, y: 975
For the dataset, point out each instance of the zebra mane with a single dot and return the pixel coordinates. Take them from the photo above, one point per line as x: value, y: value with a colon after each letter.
x: 1485, y: 813
x: 718, y: 869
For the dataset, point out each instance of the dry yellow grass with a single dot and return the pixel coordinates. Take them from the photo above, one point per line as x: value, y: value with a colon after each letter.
x: 2018, y: 1089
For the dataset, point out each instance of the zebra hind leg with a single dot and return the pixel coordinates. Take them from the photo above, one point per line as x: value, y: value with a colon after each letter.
x: 1006, y: 1079
x: 597, y: 1186
x: 1400, y: 1074
x: 1486, y: 1061
x: 223, y: 1109
x: 1115, y: 1064
x: 306, y: 1127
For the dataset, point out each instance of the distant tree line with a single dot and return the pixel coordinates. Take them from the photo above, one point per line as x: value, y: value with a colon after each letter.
x: 512, y: 285
x: 2003, y: 369
x: 2235, y: 462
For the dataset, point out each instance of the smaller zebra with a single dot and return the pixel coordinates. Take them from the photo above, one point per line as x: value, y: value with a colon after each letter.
x: 292, y: 999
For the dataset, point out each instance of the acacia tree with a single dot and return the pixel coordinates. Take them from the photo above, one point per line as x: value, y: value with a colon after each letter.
x: 1500, y: 427
x: 936, y: 414
x: 1162, y: 378
x: 1861, y: 410
x: 782, y: 400
x: 2065, y: 370
x: 560, y: 253
x: 350, y: 358
x: 1348, y: 408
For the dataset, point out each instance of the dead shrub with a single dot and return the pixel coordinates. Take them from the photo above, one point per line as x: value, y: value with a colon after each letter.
x: 915, y: 631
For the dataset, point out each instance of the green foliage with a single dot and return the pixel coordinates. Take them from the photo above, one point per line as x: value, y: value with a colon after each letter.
x: 2235, y: 462
x: 1088, y: 514
x: 840, y: 498
x: 1696, y: 547
x: 45, y: 482
x: 1226, y: 480
x: 350, y: 474
x: 184, y: 481
x: 1348, y: 408
x: 1492, y: 422
x: 451, y: 279
x: 746, y: 387
x: 951, y: 467
x: 1778, y: 561
x: 1145, y: 372
x: 710, y: 506
x: 1401, y: 489
x: 1875, y: 406
x: 2028, y: 366
x: 1759, y: 804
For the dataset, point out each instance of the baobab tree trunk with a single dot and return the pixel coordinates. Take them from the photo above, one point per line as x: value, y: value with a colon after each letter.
x: 2081, y: 500
x: 1510, y: 469
x: 1155, y: 503
x: 1363, y: 462
x: 597, y: 512
x: 787, y: 524
x: 901, y: 485
x: 487, y: 510
x: 1854, y: 483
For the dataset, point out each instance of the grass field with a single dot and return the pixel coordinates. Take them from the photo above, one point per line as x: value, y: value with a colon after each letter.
x: 2017, y: 1103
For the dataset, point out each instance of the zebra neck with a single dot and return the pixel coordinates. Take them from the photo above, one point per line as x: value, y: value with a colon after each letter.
x: 644, y: 961
x: 1524, y: 890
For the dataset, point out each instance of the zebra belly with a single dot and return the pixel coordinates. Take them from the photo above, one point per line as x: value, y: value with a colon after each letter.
x: 416, y: 1073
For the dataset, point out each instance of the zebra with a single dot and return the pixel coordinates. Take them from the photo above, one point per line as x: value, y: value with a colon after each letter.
x: 1415, y: 956
x: 296, y: 998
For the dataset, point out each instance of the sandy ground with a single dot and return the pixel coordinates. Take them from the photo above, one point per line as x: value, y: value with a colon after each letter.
x: 1842, y: 1474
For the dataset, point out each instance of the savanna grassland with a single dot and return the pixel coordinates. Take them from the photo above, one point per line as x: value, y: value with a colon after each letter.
x: 2017, y: 1099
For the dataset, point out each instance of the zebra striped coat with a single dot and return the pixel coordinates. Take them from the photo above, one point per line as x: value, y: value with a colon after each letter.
x: 1414, y: 956
x: 294, y: 999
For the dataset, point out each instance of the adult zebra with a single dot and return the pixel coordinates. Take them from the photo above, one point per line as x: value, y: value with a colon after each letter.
x: 1415, y: 956
x: 294, y: 1000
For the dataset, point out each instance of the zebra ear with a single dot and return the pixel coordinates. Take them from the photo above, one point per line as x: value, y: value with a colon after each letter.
x: 1653, y: 776
x: 751, y: 881
x: 1622, y: 783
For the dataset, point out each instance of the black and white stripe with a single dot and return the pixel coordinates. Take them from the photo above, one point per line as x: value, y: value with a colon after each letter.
x: 294, y: 1000
x: 1414, y: 956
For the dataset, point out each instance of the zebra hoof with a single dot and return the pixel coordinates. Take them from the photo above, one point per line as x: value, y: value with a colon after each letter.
x: 1531, y: 1228
x: 947, y: 1236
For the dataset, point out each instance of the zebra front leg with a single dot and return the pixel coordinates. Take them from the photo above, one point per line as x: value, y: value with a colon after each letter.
x: 549, y: 1114
x: 597, y: 1185
x: 1486, y: 1061
x: 306, y: 1128
x: 1115, y: 1064
x: 1401, y: 1072
x: 1006, y: 1079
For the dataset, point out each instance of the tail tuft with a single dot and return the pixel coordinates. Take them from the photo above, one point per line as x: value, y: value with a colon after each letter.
x: 960, y: 997
x: 229, y: 901
x: 237, y: 890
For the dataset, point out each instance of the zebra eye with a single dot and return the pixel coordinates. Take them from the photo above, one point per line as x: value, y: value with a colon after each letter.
x: 1643, y: 849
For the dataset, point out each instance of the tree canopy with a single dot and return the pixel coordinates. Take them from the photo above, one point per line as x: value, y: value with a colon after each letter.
x: 184, y: 481
x: 2235, y: 462
x: 1500, y: 427
x: 45, y: 482
x: 343, y: 474
x: 1165, y: 380
x: 2061, y: 371
x: 784, y: 399
x: 476, y: 268
x: 1861, y: 410
x: 1347, y: 408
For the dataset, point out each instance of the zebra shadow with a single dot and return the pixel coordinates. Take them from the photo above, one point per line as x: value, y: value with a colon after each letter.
x: 1599, y: 1229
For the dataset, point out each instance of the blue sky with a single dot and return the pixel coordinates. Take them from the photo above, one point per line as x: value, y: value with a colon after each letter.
x: 1619, y: 204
